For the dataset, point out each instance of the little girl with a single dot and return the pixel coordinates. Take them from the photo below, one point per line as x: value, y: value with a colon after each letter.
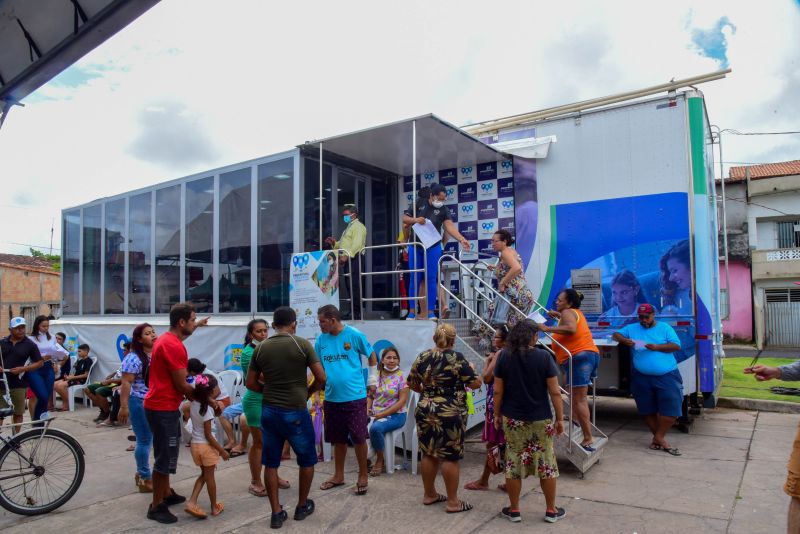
x: 206, y: 451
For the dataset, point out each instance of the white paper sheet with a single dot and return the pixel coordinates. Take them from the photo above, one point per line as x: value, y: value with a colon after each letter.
x: 427, y: 233
x: 537, y: 318
x: 638, y: 344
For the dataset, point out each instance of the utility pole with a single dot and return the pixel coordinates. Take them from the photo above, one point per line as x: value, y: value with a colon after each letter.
x: 52, y: 224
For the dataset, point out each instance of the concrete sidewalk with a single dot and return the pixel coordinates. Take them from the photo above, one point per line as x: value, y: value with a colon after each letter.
x: 728, y: 480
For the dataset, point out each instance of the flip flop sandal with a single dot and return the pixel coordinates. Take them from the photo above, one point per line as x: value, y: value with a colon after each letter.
x: 130, y: 448
x: 329, y: 484
x: 234, y: 454
x: 361, y: 489
x: 375, y: 472
x: 655, y: 447
x: 218, y: 509
x: 196, y: 511
x: 588, y: 448
x: 671, y: 450
x: 257, y: 493
x: 465, y: 507
x: 439, y: 498
x: 474, y: 486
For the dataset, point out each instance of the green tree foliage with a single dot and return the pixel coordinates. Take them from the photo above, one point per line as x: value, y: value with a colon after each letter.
x: 54, y: 259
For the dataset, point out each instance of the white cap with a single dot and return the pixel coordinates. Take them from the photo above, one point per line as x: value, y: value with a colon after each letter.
x: 16, y: 321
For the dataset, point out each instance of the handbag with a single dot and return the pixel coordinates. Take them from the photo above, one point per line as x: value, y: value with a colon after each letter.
x: 496, y: 459
x: 499, y: 314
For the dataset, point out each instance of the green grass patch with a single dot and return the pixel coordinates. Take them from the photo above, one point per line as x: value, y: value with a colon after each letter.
x: 737, y: 384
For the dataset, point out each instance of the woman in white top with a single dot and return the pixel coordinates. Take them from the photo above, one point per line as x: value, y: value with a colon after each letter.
x: 41, y: 380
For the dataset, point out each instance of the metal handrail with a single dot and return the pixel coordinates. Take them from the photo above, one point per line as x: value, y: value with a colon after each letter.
x: 410, y: 270
x: 349, y: 274
x: 522, y: 314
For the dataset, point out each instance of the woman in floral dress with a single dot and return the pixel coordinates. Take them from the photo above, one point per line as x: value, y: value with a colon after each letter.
x: 441, y: 375
x: 524, y: 378
x: 511, y: 284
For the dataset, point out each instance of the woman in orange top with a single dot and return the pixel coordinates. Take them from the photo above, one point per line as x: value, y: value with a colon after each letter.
x: 573, y: 332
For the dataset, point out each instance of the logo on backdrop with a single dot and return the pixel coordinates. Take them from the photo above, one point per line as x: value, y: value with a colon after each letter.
x: 121, y: 340
x: 466, y: 174
x: 488, y: 190
x: 453, y: 212
x: 428, y: 178
x: 71, y: 344
x: 448, y: 177
x: 487, y: 229
x: 468, y: 212
x: 507, y: 164
x: 487, y: 171
x: 451, y: 194
x: 507, y: 208
x: 507, y: 224
x: 233, y: 357
x: 469, y: 230
x: 505, y: 169
x: 487, y: 209
x: 467, y: 193
x: 505, y: 187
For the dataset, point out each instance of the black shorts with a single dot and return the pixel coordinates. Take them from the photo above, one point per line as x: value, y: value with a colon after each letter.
x: 166, y: 430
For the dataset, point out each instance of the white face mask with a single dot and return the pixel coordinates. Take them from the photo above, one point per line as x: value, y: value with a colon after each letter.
x: 438, y: 203
x: 391, y: 369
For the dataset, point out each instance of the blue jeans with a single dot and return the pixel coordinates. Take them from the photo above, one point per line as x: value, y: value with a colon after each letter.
x: 584, y: 368
x: 282, y: 424
x: 415, y: 261
x: 382, y: 426
x: 144, y: 438
x: 41, y: 383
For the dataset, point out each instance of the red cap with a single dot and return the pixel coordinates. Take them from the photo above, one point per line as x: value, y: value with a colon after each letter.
x: 645, y: 309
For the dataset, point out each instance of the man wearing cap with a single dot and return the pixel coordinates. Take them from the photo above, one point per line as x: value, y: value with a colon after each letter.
x: 20, y: 355
x: 656, y: 383
x: 353, y: 240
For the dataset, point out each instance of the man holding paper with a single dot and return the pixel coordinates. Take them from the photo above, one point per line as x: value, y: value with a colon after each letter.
x: 431, y: 216
x: 656, y: 383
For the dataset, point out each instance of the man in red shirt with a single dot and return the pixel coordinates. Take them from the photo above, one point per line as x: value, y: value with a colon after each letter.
x: 167, y: 388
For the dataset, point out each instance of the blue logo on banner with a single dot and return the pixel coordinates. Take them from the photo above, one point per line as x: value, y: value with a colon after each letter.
x: 429, y: 176
x: 233, y: 356
x: 410, y: 197
x: 121, y: 340
x: 487, y: 187
x: 487, y: 225
x: 508, y: 204
x: 507, y: 164
x: 467, y: 208
x: 301, y: 260
x: 466, y: 170
x: 450, y: 192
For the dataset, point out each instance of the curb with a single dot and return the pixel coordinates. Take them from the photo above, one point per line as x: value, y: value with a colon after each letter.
x: 759, y: 404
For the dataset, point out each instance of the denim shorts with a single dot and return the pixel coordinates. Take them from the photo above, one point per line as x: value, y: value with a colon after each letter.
x: 279, y: 425
x: 584, y: 368
x: 658, y: 394
x: 166, y: 429
x: 232, y: 412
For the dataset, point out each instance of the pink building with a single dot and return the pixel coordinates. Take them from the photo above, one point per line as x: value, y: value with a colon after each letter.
x: 739, y: 322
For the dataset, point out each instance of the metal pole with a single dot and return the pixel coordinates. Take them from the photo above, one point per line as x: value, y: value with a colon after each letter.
x: 414, y: 169
x: 320, y: 195
x: 724, y: 221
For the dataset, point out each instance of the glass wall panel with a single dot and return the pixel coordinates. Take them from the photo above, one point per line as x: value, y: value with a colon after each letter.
x: 311, y: 204
x: 71, y: 253
x: 275, y: 232
x: 139, y: 253
x: 92, y: 225
x: 168, y: 248
x: 115, y: 257
x: 383, y: 229
x: 200, y: 243
x: 234, y: 241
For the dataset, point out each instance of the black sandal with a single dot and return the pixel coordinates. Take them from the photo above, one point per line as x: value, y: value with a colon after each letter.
x: 465, y: 507
x: 439, y: 498
x: 361, y: 489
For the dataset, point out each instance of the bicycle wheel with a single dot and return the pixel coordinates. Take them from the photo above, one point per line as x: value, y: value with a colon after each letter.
x: 39, y: 472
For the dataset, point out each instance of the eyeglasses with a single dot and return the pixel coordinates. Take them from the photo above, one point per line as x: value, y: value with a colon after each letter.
x: 648, y: 316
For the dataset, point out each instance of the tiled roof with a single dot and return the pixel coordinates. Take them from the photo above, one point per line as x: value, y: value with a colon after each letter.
x: 767, y: 170
x: 26, y: 262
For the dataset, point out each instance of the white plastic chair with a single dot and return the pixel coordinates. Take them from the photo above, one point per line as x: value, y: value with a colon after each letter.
x: 72, y: 391
x: 406, y: 433
x: 228, y: 379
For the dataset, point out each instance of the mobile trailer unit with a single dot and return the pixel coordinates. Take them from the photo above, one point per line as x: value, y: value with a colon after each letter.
x: 625, y: 209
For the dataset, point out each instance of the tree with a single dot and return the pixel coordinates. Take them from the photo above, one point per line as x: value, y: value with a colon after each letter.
x: 54, y: 259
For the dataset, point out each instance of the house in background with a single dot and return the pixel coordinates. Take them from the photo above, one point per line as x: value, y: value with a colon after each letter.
x: 772, y: 199
x: 736, y: 301
x: 28, y: 287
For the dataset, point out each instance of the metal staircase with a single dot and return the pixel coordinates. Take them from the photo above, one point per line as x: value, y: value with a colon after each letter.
x: 467, y: 311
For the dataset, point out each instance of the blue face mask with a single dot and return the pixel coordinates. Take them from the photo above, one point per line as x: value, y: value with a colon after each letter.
x: 346, y: 219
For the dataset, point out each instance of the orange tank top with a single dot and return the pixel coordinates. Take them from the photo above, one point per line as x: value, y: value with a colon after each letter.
x: 580, y: 341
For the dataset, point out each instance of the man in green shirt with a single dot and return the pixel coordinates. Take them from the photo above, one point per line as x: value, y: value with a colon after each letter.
x: 352, y: 242
x: 279, y: 370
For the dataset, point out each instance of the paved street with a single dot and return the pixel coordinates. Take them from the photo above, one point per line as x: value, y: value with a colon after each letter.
x: 728, y: 481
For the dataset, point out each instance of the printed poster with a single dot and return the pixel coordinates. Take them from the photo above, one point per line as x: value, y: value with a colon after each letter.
x: 314, y: 282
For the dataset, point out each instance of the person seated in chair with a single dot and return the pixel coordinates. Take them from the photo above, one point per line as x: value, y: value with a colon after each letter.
x: 78, y: 376
x: 100, y: 393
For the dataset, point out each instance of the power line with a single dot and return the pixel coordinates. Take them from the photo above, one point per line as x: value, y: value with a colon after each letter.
x: 29, y: 245
x: 737, y: 132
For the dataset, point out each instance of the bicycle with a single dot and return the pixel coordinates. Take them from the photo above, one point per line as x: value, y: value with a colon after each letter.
x: 40, y: 468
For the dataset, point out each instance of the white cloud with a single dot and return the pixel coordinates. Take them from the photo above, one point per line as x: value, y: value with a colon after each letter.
x: 191, y: 85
